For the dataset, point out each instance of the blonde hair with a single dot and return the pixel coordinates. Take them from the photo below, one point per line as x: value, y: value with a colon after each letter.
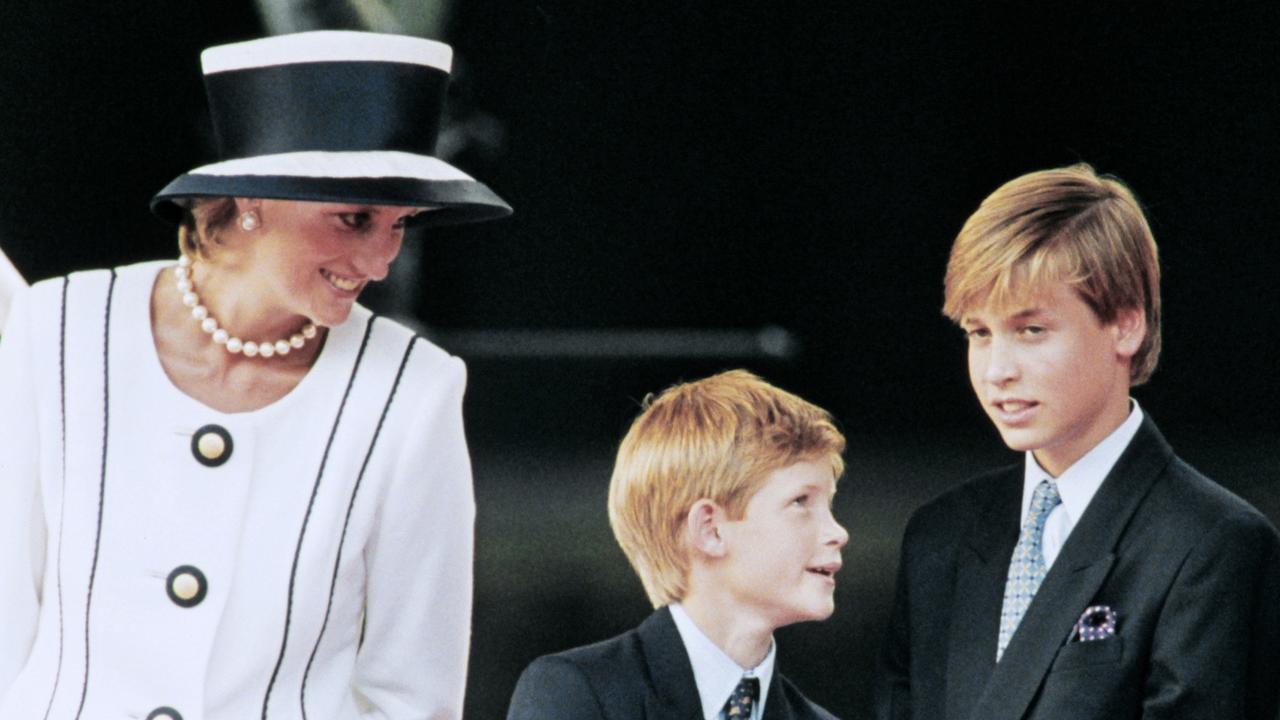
x: 202, y: 219
x: 1063, y: 225
x: 718, y: 438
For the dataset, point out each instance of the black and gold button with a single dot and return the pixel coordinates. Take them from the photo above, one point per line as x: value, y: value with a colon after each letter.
x: 211, y: 445
x: 186, y: 586
x: 164, y: 713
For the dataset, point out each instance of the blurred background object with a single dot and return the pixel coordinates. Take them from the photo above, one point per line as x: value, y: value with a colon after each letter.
x: 708, y: 185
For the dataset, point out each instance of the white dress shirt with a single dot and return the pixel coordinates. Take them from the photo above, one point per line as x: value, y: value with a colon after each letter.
x: 715, y: 673
x: 1077, y: 484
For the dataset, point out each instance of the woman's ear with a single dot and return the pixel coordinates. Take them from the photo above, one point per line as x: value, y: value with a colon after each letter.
x: 703, y: 526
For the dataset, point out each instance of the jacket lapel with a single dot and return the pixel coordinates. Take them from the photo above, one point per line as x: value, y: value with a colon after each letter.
x: 982, y: 564
x: 1074, y: 579
x: 673, y: 694
x: 776, y: 706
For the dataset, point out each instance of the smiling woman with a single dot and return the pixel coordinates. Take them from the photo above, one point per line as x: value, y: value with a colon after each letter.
x: 230, y: 490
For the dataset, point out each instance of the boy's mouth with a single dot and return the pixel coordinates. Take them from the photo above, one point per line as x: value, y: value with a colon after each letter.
x: 827, y: 570
x: 1014, y: 411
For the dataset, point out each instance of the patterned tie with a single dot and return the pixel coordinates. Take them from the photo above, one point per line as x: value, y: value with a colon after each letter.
x: 740, y: 702
x: 1026, y: 568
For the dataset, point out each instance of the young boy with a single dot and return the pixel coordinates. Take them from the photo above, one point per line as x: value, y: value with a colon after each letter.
x: 721, y: 499
x: 1103, y: 577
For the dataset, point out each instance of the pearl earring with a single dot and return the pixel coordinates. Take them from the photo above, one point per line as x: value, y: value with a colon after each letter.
x: 249, y: 221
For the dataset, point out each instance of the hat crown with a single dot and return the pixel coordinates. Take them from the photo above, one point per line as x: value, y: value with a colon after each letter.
x: 332, y: 116
x: 327, y: 90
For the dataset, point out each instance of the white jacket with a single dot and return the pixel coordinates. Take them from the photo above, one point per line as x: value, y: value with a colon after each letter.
x: 332, y: 548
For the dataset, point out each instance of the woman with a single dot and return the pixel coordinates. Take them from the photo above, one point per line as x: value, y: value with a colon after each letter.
x: 226, y: 489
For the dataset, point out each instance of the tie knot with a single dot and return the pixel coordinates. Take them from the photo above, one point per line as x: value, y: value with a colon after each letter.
x: 743, y: 698
x: 1044, y: 499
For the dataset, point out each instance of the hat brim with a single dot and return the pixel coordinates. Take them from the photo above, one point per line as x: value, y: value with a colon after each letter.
x: 373, y: 178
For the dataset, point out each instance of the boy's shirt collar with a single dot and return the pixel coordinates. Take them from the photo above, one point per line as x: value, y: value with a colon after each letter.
x: 714, y: 672
x: 1077, y: 484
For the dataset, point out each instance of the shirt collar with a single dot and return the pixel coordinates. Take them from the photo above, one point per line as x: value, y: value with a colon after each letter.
x: 714, y: 672
x: 1078, y: 483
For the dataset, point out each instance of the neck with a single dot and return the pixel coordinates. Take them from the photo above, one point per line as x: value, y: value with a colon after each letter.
x: 740, y: 633
x: 245, y: 311
x: 1055, y: 460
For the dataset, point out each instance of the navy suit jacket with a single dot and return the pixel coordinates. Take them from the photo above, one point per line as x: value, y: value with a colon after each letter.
x: 643, y: 674
x: 1192, y: 571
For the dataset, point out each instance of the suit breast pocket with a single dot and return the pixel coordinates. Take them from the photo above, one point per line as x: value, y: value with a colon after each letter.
x: 1085, y: 654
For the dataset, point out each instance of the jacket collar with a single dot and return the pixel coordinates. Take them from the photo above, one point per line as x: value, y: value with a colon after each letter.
x: 674, y: 694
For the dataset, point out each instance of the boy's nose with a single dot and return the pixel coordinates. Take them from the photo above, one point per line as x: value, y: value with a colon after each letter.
x: 1001, y: 366
x: 839, y: 536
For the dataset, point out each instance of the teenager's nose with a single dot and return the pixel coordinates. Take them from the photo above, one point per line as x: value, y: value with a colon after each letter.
x: 1001, y: 364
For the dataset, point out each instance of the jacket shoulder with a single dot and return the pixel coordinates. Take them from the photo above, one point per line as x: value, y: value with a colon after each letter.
x: 942, y: 520
x: 1192, y: 506
x: 582, y: 682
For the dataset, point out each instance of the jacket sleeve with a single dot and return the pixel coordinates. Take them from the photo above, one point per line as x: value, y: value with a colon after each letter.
x: 22, y: 529
x: 412, y: 664
x: 554, y: 688
x: 1216, y: 648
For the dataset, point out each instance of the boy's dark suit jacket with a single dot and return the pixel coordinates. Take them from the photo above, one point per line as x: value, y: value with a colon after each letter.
x: 643, y: 674
x: 1192, y: 571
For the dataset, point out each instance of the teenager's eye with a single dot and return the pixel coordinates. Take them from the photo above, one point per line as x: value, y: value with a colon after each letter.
x: 977, y: 333
x: 355, y: 220
x: 1032, y: 330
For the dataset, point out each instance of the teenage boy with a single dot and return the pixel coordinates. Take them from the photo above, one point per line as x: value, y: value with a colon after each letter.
x: 721, y: 499
x: 1103, y: 577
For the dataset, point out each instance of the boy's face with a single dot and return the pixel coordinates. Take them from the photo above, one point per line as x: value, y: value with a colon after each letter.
x: 1051, y: 376
x: 782, y: 556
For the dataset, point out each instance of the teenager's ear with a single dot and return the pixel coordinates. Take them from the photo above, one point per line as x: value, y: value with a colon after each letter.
x: 702, y: 525
x: 1130, y: 330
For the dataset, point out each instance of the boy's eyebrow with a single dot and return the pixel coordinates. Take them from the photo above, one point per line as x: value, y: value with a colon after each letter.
x: 1022, y: 314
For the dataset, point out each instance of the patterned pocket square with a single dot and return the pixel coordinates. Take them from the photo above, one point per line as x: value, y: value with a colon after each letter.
x: 1097, y: 622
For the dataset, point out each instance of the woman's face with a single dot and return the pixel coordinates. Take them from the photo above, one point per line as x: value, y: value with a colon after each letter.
x: 315, y: 258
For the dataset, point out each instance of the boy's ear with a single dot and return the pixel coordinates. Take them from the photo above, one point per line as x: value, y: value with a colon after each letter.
x: 1130, y: 330
x: 703, y: 527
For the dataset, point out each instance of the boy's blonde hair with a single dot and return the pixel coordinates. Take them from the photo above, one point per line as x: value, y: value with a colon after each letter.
x: 718, y: 438
x: 1062, y: 225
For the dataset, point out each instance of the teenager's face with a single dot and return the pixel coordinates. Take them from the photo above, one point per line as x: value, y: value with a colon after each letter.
x: 319, y: 256
x: 784, y: 553
x: 1051, y: 376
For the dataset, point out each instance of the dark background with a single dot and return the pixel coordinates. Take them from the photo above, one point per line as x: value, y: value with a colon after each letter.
x: 725, y: 167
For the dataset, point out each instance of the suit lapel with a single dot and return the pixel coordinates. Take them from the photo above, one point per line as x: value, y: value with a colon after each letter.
x: 673, y: 694
x: 776, y: 706
x: 1073, y: 581
x: 982, y: 564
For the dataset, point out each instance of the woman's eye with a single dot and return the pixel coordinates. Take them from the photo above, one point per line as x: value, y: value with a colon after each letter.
x: 354, y: 220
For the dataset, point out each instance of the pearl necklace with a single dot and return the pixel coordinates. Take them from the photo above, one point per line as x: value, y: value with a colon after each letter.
x: 233, y: 344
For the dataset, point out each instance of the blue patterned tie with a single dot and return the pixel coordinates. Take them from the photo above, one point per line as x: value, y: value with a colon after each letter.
x: 1026, y: 568
x: 742, y: 699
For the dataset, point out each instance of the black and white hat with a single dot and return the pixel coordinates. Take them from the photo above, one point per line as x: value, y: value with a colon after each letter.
x: 332, y: 116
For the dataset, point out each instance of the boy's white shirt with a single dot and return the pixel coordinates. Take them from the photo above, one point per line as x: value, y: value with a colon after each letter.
x: 714, y: 672
x: 1077, y: 484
